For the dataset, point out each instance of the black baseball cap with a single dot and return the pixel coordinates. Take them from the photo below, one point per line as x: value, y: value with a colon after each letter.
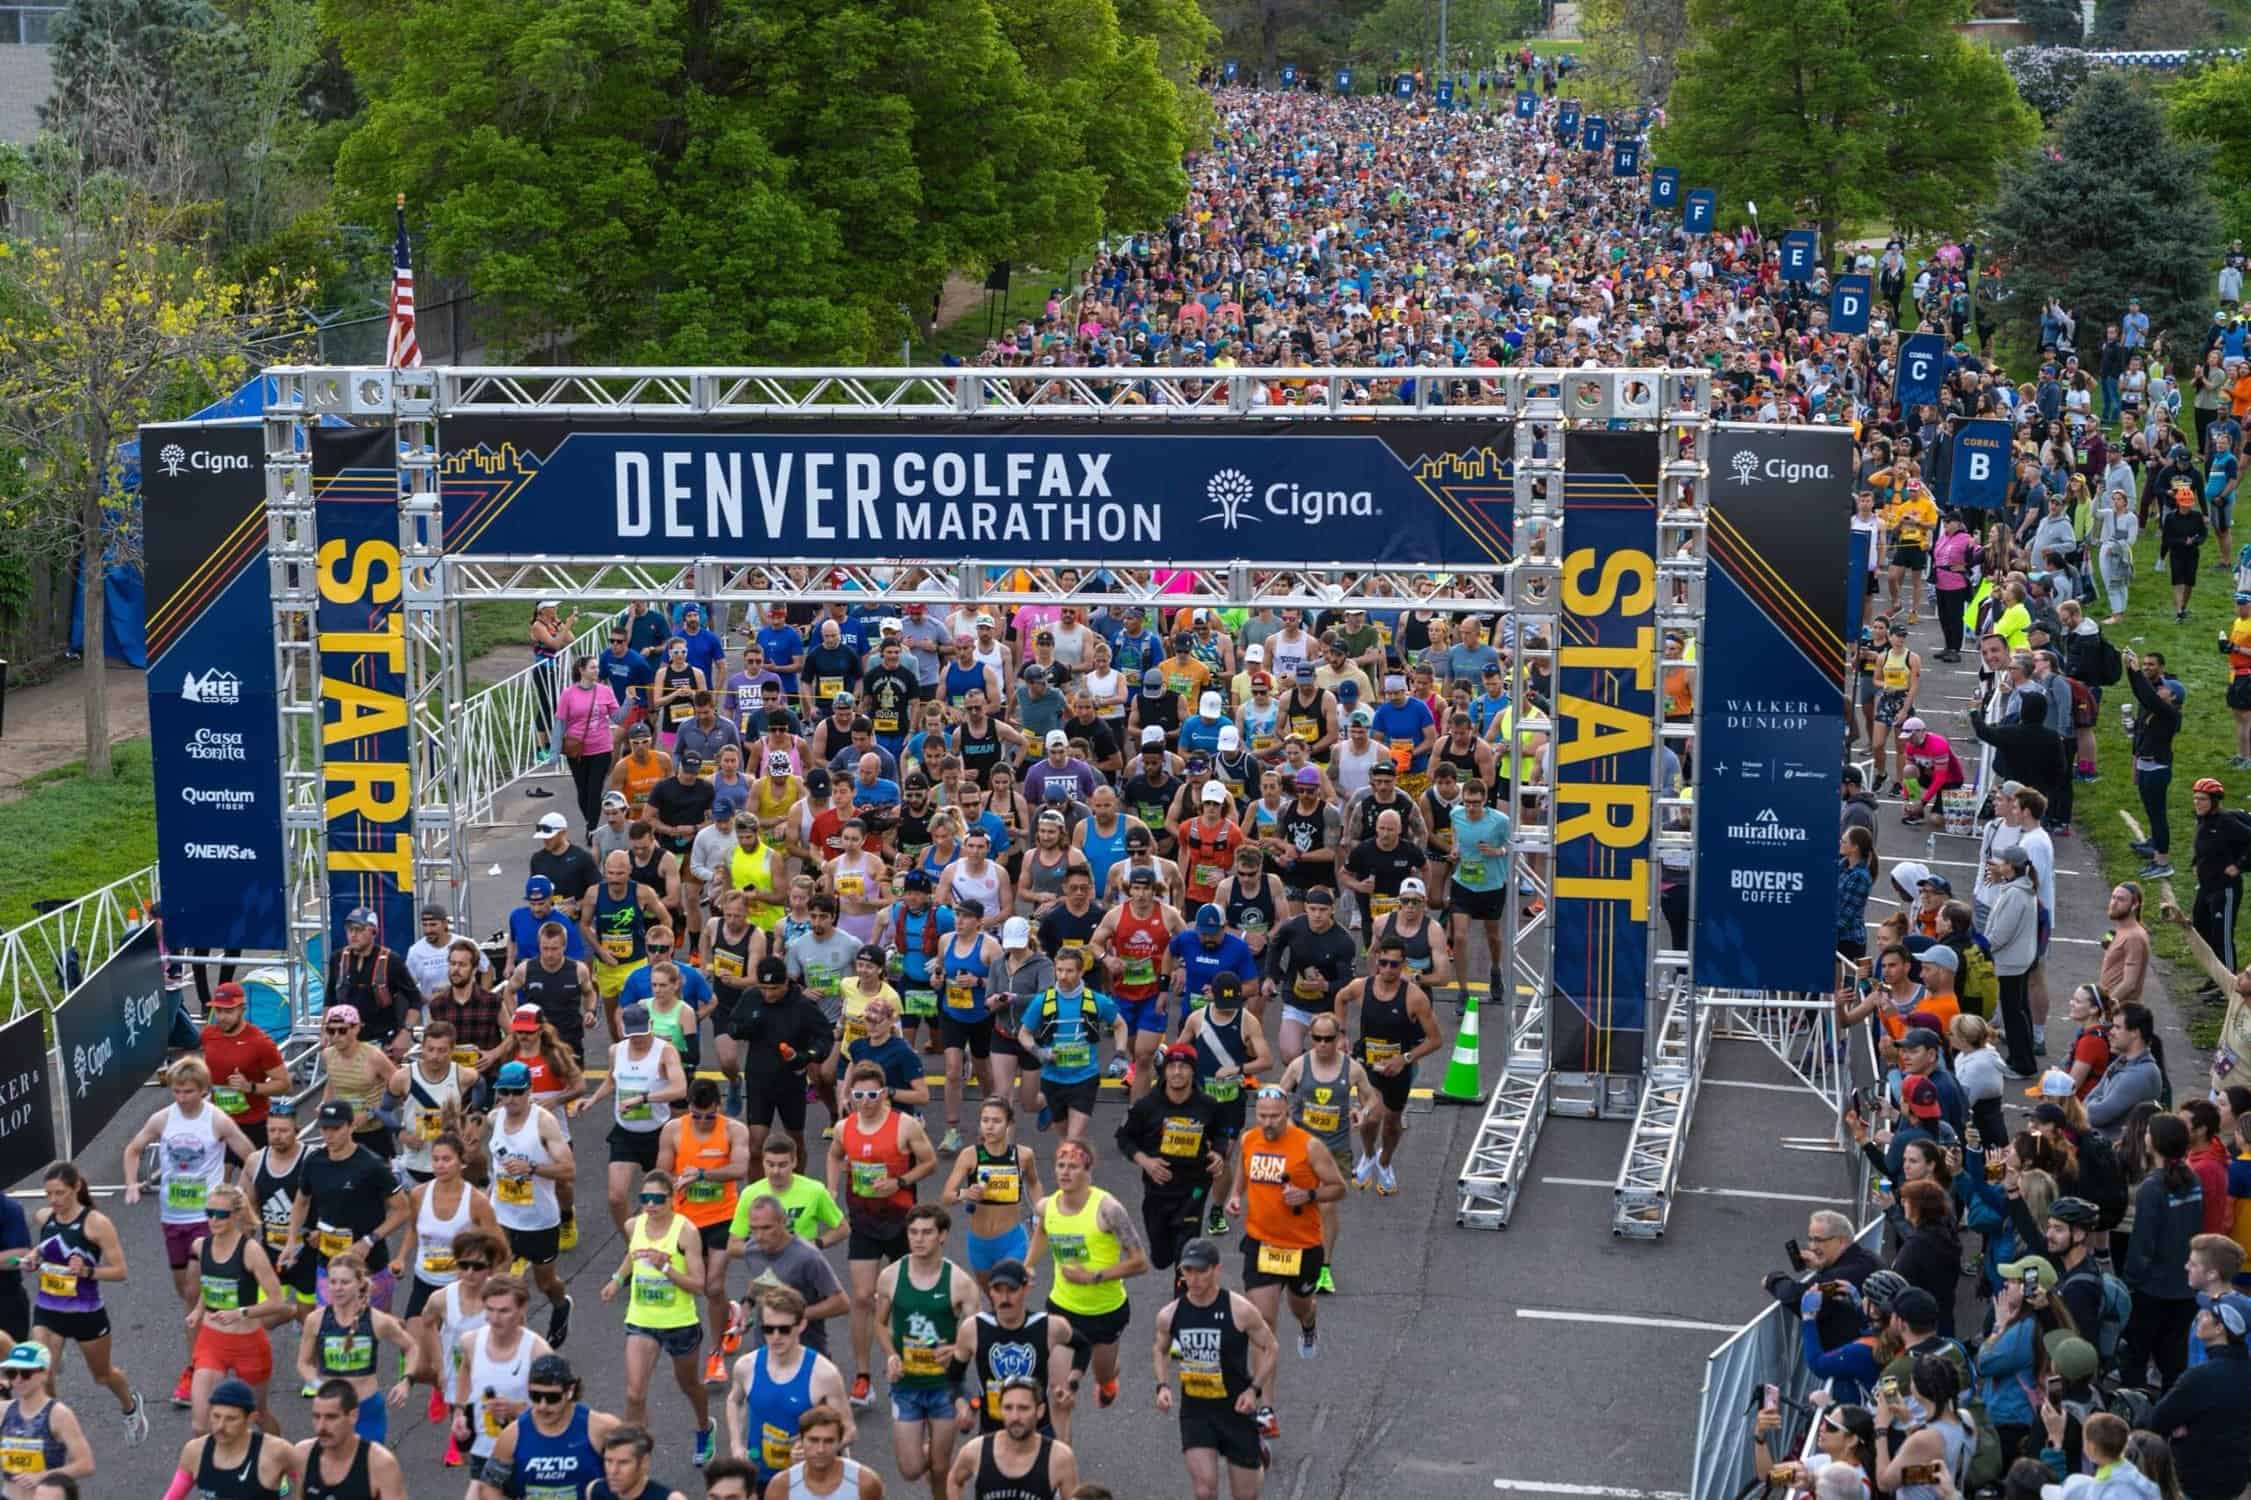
x: 1009, y: 1272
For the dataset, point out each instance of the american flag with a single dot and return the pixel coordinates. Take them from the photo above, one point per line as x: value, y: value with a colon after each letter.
x: 404, y: 352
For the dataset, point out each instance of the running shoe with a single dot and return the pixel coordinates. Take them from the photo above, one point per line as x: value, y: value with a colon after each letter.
x: 704, y: 1444
x: 1386, y: 1182
x: 1046, y: 1120
x: 453, y: 1459
x: 1363, y: 1171
x: 1308, y: 1342
x: 1215, y: 1223
x: 951, y: 1141
x: 559, y: 1324
x: 731, y: 1342
x: 183, y: 1394
x: 861, y: 1398
x: 569, y: 1240
x: 2157, y: 870
x: 1269, y: 1425
x: 715, y: 1369
x: 437, y: 1410
x: 136, y: 1420
x: 1327, y: 1283
x: 1105, y: 1392
x: 308, y: 1390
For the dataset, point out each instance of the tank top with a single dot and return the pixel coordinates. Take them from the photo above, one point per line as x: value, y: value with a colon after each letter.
x: 1306, y: 831
x: 1895, y: 671
x: 655, y: 1300
x: 522, y: 1202
x: 642, y: 1075
x: 1464, y: 761
x: 923, y: 1326
x: 1040, y: 880
x: 1350, y: 767
x: 1323, y: 1106
x: 1102, y: 850
x: 620, y: 928
x: 962, y: 991
x: 355, y: 1485
x: 979, y: 752
x: 1250, y: 904
x: 433, y: 1236
x: 1138, y: 941
x: 676, y: 1023
x: 801, y: 1488
x: 508, y: 1379
x: 346, y: 1353
x: 773, y: 1407
x: 1219, y: 1044
x: 870, y: 1156
x: 1262, y: 726
x: 237, y: 1483
x: 752, y: 869
x: 277, y: 1194
x: 1212, y: 1352
x: 1005, y: 1354
x: 1079, y: 1239
x: 984, y: 888
x: 59, y: 1291
x: 641, y: 779
x: 555, y: 992
x: 1002, y: 1176
x: 1268, y: 1167
x: 227, y: 1285
x: 352, y: 1079
x: 426, y: 1104
x: 558, y: 1467
x: 959, y: 680
x: 652, y: 873
x: 728, y: 958
x: 456, y: 1323
x: 1206, y: 855
x: 704, y: 1204
x: 191, y: 1162
x: 1417, y: 943
x: 1033, y: 1484
x: 1386, y: 1030
x: 28, y: 1445
x: 680, y: 710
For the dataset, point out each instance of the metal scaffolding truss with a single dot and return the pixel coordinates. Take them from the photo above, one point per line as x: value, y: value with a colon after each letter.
x: 1677, y: 414
x: 293, y: 588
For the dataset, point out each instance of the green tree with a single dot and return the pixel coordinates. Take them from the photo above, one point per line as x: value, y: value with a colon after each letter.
x: 2071, y: 225
x: 1629, y: 50
x: 1406, y: 31
x: 1834, y: 112
x: 725, y: 180
x: 1314, y: 34
x: 2213, y: 107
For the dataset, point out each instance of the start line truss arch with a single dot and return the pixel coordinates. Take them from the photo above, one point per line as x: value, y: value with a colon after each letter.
x: 1531, y: 411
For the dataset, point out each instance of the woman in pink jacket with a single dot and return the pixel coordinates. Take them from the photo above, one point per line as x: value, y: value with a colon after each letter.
x: 1935, y: 763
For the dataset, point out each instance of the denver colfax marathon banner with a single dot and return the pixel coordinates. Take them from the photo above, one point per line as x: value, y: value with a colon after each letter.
x: 211, y: 687
x: 1772, y: 731
x: 1606, y: 732
x: 361, y: 626
x: 1432, y: 494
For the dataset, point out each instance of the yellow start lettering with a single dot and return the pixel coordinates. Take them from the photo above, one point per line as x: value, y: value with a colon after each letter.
x: 1617, y: 569
x: 1631, y: 888
x: 1615, y: 816
x: 357, y: 586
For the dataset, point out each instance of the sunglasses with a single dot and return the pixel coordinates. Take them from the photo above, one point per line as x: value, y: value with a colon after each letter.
x: 1323, y: 1036
x: 1387, y: 963
x: 774, y: 1330
x: 703, y: 1114
x: 858, y: 1094
x: 654, y: 1197
x: 215, y: 1212
x: 336, y: 1030
x: 472, y: 1265
x: 506, y: 1093
x: 549, y: 1398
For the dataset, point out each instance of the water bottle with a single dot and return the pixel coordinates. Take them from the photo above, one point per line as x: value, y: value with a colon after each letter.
x: 2126, y: 717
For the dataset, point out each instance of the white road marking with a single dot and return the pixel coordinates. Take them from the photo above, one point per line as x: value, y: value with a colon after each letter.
x: 1551, y: 1315
x: 1599, y: 1491
x: 1704, y: 1192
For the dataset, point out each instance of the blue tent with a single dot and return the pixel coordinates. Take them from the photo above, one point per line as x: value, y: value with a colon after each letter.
x: 124, y: 595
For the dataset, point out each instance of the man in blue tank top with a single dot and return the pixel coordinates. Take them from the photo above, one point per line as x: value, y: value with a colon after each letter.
x: 554, y: 1450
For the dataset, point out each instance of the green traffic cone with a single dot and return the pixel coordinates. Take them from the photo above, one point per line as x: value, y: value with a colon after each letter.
x: 1461, y: 1085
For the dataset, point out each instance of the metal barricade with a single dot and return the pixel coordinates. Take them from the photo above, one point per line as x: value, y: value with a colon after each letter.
x: 507, y: 729
x: 42, y: 960
x: 1768, y: 1350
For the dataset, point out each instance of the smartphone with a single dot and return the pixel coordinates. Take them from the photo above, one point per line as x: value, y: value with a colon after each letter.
x: 1971, y: 1139
x: 1888, y: 1386
x: 2031, y: 1282
x: 1773, y: 1398
x: 1797, y: 1259
x: 1921, y: 1473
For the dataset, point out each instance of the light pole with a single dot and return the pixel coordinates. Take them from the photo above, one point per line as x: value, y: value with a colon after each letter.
x: 1439, y: 71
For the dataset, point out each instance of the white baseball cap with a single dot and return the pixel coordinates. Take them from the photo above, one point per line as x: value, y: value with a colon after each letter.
x: 1016, y: 933
x: 1210, y: 705
x: 1254, y: 653
x: 1230, y: 738
x: 551, y: 825
x: 1152, y: 734
x: 1056, y: 738
x: 1215, y: 792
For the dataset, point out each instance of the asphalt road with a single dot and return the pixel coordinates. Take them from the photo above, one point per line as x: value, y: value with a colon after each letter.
x: 1454, y: 1363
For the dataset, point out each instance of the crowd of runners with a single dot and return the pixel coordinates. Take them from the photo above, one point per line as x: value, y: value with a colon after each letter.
x: 865, y: 935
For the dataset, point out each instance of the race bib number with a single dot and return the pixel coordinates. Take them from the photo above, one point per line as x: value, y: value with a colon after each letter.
x: 855, y: 1031
x: 651, y: 1289
x: 333, y: 1242
x: 920, y: 1002
x: 1470, y: 871
x: 1070, y: 1249
x: 921, y: 1360
x: 57, y: 1281
x: 1179, y: 682
x: 466, y: 1056
x: 1073, y: 1055
x: 1002, y: 1184
x: 231, y: 1101
x: 515, y: 1191
x: 886, y: 723
x: 1322, y: 1119
x: 221, y: 1294
x: 866, y: 1175
x: 1140, y: 971
x: 1380, y: 1052
x: 1279, y: 1260
x: 277, y: 1235
x: 1381, y: 906
x: 851, y: 887
x: 186, y: 1194
x: 1223, y: 1090
x: 23, y: 1456
x: 1205, y: 877
x: 1262, y: 743
x: 961, y: 997
x: 347, y: 1354
x: 774, y: 1447
x: 618, y: 948
x: 702, y: 1190
x: 1183, y: 1138
x: 428, y: 1123
x: 437, y: 1262
x: 1308, y: 988
x: 726, y: 964
x: 828, y: 687
x: 639, y: 1109
x: 1204, y: 1384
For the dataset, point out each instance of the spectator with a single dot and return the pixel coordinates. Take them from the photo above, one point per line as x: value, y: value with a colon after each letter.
x: 2136, y: 1072
x: 2168, y: 1213
x: 1930, y: 1252
x: 1978, y: 1072
x: 1856, y: 868
x: 2201, y: 1417
x: 2012, y: 933
x: 2222, y: 848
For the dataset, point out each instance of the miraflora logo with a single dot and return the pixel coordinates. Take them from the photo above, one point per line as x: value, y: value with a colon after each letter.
x: 1230, y: 490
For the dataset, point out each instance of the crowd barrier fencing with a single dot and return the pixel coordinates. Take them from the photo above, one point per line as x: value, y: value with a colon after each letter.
x: 1768, y: 1350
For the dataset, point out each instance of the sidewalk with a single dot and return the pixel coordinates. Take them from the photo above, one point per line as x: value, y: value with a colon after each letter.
x: 46, y: 724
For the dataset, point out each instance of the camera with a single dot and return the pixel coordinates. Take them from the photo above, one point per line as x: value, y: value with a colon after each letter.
x: 1921, y: 1473
x: 1787, y: 1474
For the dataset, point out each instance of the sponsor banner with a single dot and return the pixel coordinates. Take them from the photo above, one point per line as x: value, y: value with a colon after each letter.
x: 1403, y: 86
x: 1606, y: 733
x: 1430, y: 494
x: 1344, y: 80
x: 110, y: 1033
x: 361, y: 628
x: 1978, y: 476
x: 1770, y: 735
x: 27, y: 1100
x: 1856, y: 592
x: 1595, y: 134
x: 215, y: 744
x: 1444, y: 93
x: 1229, y: 69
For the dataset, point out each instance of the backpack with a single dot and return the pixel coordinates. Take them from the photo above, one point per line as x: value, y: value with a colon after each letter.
x: 1975, y: 986
x: 2102, y: 1180
x: 2117, y: 1307
x: 2082, y: 704
x: 2109, y: 666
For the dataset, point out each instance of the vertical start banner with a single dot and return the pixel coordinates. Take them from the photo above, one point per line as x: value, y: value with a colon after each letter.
x: 1771, y: 732
x: 1605, y: 736
x: 361, y: 625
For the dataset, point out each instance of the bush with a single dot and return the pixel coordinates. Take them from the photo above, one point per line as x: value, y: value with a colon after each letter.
x: 2048, y: 78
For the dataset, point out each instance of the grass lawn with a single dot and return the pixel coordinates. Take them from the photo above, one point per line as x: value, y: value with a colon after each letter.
x: 67, y: 835
x: 2206, y: 741
x: 965, y: 335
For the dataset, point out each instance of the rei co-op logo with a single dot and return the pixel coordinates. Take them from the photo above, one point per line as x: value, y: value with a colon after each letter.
x: 213, y: 687
x: 1232, y: 492
x: 173, y: 459
x: 1749, y: 468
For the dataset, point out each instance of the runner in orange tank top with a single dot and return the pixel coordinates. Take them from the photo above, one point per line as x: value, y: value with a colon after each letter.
x: 709, y: 1158
x: 1278, y: 1190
